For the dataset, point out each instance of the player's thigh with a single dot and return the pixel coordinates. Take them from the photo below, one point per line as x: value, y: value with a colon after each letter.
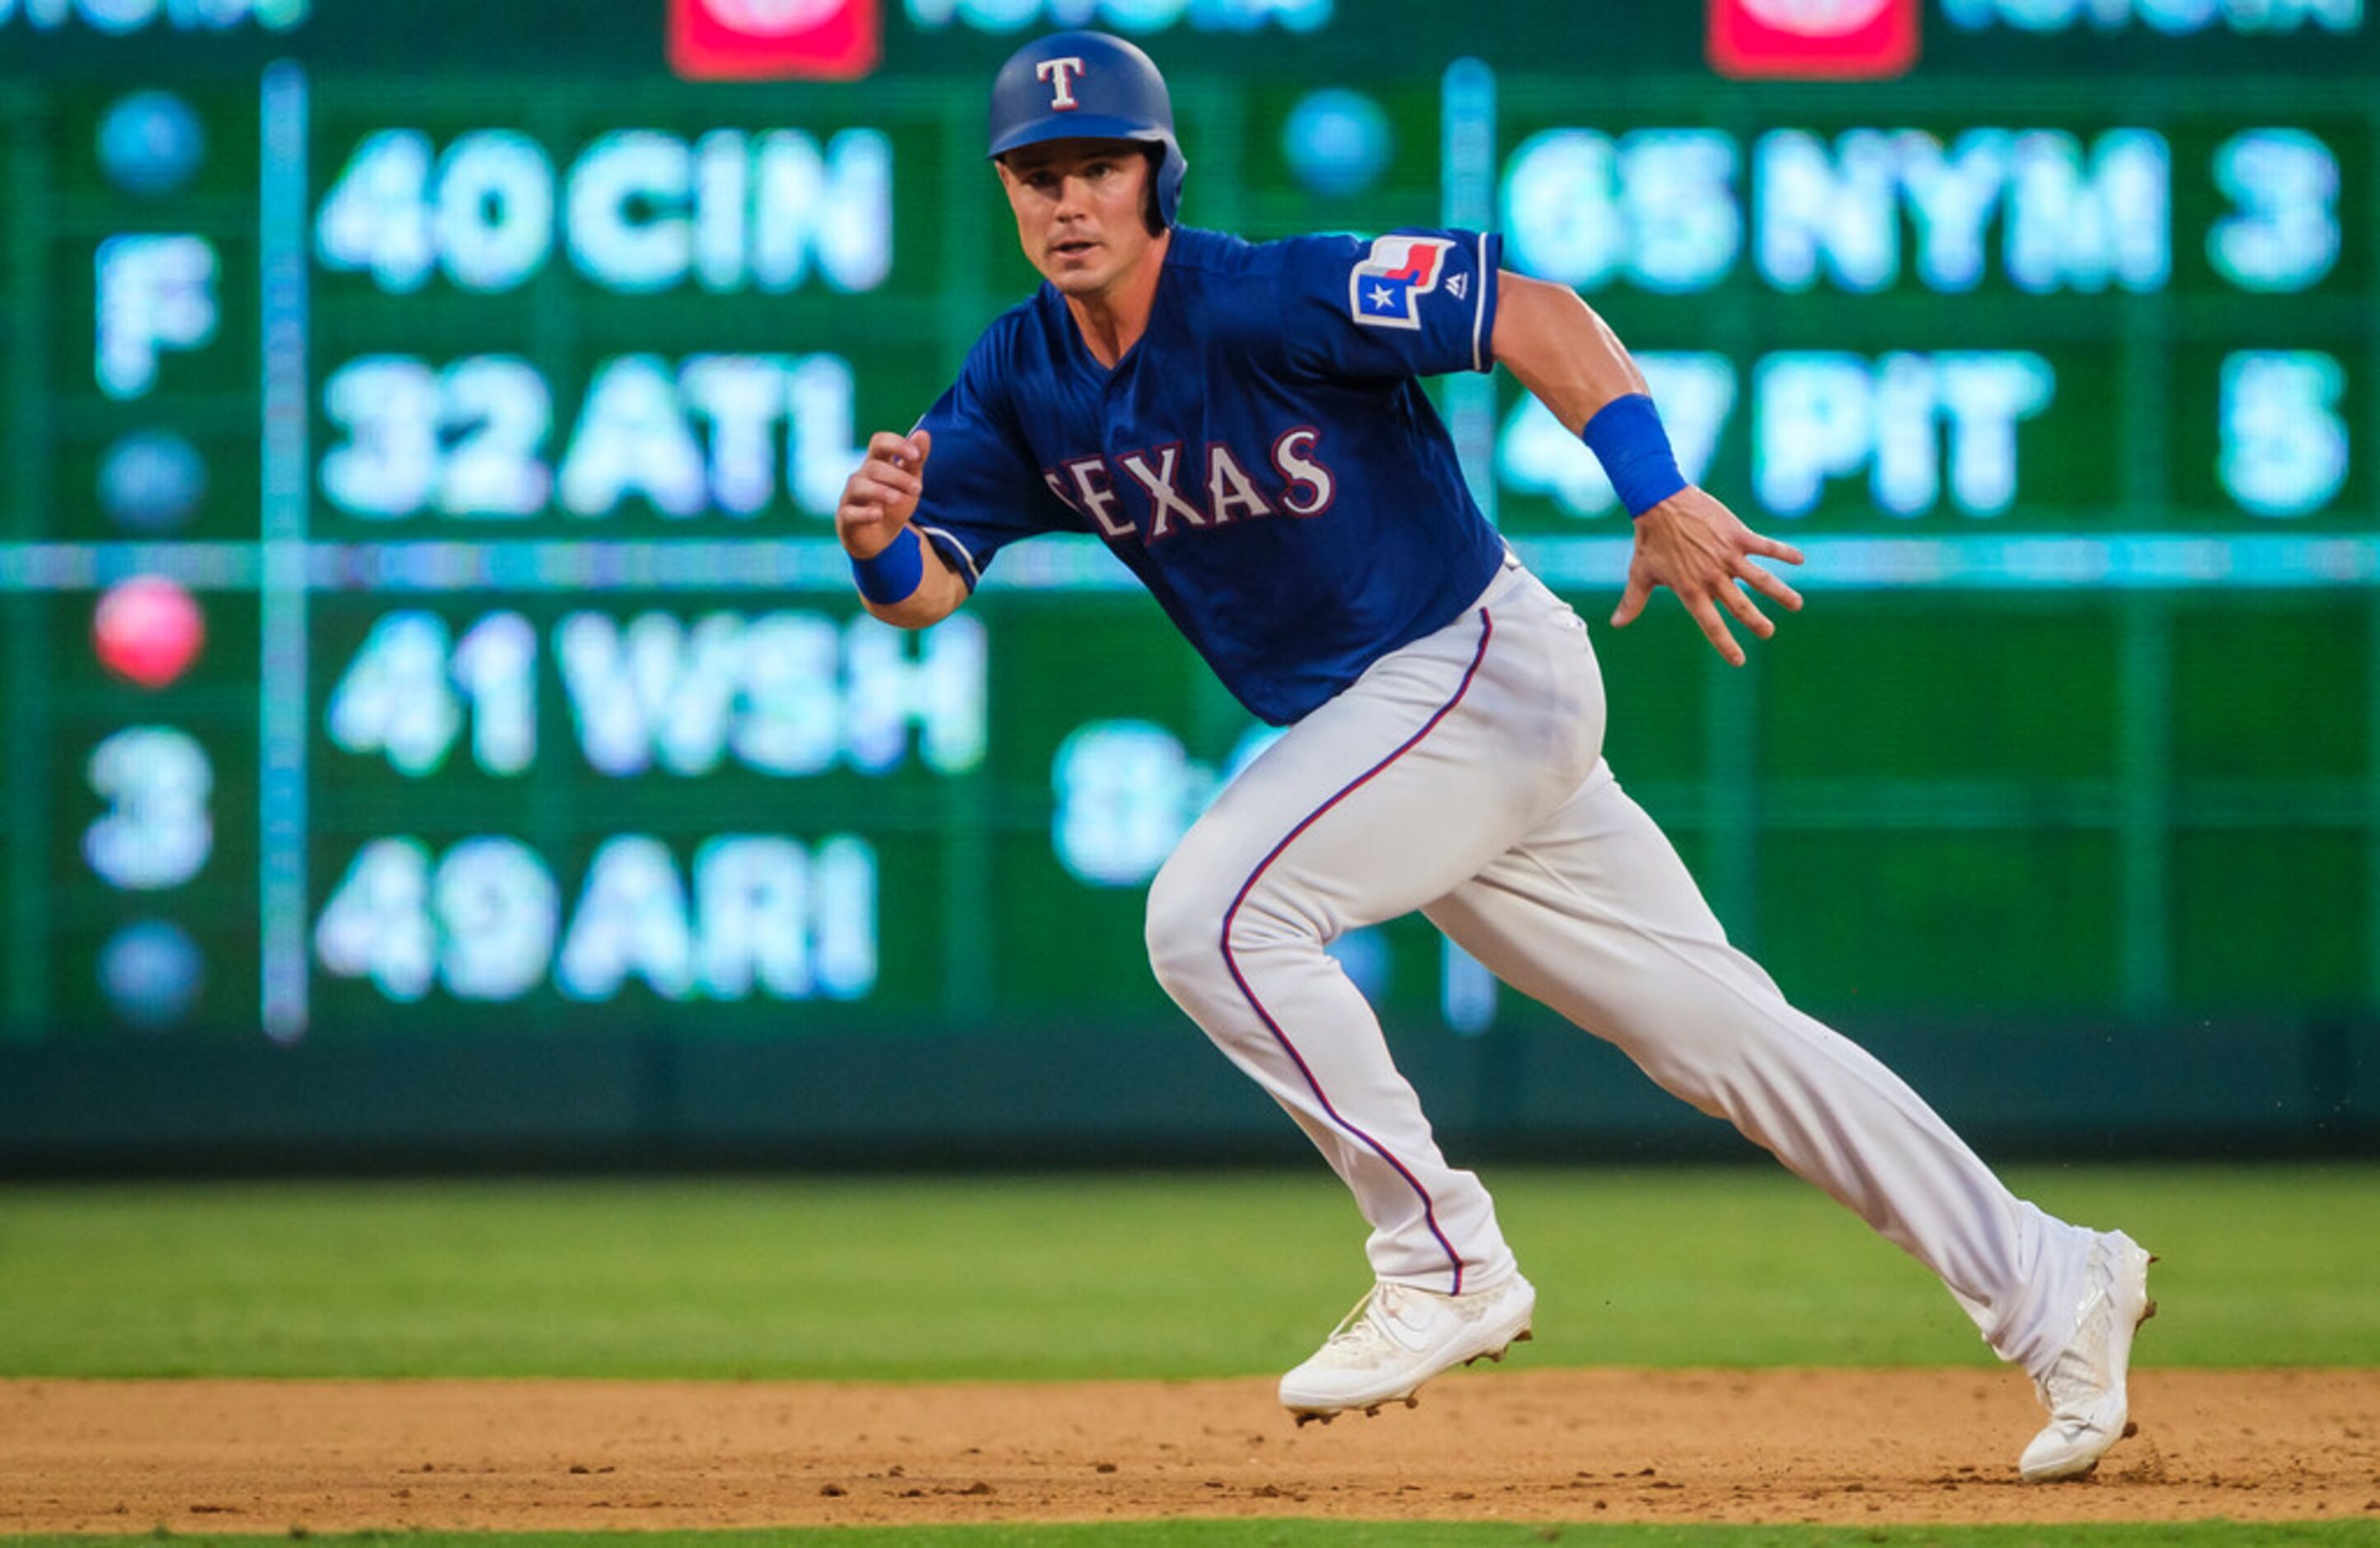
x: 1594, y: 915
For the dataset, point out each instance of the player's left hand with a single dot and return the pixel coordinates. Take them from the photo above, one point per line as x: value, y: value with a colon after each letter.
x: 1698, y: 548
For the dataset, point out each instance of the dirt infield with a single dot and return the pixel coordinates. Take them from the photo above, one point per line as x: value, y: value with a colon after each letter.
x: 1863, y: 1447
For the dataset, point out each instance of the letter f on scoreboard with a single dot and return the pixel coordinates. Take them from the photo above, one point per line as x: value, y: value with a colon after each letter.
x: 1813, y: 40
x: 775, y: 40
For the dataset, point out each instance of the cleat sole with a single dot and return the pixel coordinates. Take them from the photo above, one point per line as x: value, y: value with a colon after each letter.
x: 1496, y: 1356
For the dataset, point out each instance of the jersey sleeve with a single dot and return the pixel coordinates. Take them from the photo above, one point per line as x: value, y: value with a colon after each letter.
x: 983, y: 490
x: 1411, y: 303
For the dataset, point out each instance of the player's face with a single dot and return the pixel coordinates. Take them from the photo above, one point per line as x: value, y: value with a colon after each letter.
x: 1078, y: 205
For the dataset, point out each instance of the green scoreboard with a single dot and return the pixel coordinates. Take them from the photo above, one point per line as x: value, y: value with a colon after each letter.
x: 420, y: 426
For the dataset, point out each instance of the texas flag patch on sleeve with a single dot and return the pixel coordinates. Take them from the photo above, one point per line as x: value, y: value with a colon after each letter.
x: 1386, y: 286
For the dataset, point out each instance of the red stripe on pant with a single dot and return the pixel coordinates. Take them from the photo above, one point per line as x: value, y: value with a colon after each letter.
x: 1428, y: 1207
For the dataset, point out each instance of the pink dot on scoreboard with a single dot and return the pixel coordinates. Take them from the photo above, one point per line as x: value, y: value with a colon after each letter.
x: 147, y: 630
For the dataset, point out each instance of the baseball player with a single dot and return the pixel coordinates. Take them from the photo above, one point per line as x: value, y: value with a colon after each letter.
x: 1242, y: 426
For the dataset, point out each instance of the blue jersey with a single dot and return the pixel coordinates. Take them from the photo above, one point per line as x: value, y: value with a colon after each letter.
x: 1262, y: 459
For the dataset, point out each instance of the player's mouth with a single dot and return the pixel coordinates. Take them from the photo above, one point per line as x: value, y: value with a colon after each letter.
x: 1071, y: 247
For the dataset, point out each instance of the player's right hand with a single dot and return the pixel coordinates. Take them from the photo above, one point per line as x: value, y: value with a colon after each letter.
x: 879, y: 499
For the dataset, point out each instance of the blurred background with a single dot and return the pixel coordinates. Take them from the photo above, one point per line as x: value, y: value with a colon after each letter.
x: 439, y: 731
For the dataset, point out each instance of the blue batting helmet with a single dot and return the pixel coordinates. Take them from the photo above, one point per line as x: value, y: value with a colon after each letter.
x: 1088, y: 86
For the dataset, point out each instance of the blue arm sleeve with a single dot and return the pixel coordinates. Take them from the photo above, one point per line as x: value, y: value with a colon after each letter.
x: 1411, y: 303
x: 983, y: 490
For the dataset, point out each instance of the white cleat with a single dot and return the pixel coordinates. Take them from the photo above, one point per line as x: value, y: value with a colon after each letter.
x: 2084, y: 1389
x: 1399, y: 1336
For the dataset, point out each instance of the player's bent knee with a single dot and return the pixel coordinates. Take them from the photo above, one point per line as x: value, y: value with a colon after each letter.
x: 1206, y: 939
x: 1185, y: 934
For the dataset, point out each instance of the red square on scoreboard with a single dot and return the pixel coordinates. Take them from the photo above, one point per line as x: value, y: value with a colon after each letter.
x: 774, y: 40
x: 1813, y: 40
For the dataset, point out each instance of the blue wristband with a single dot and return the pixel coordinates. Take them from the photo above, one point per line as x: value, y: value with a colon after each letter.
x: 891, y: 577
x: 1626, y: 436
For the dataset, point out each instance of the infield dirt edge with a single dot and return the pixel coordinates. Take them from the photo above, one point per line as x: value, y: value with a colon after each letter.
x: 1842, y: 1447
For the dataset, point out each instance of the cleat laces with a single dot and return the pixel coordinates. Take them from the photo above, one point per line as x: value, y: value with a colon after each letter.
x: 1361, y: 1334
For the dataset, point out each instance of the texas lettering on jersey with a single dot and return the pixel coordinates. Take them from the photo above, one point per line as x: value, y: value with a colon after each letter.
x: 1264, y: 460
x: 1173, y: 497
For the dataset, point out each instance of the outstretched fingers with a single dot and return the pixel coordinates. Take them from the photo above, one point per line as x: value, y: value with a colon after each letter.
x: 1747, y: 612
x: 1707, y: 614
x: 1632, y: 601
x: 1698, y: 548
x: 1768, y: 583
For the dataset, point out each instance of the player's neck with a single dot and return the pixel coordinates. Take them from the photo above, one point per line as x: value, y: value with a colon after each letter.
x: 1113, y: 319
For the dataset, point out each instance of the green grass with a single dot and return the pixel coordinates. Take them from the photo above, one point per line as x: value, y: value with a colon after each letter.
x: 1041, y: 1278
x: 1325, y: 1534
x: 1079, y: 1276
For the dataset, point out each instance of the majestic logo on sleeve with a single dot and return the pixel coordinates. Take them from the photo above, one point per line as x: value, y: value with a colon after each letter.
x: 1386, y: 288
x: 1060, y: 74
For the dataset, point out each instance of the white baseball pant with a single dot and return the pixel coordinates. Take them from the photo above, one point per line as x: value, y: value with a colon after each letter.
x: 1463, y: 776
